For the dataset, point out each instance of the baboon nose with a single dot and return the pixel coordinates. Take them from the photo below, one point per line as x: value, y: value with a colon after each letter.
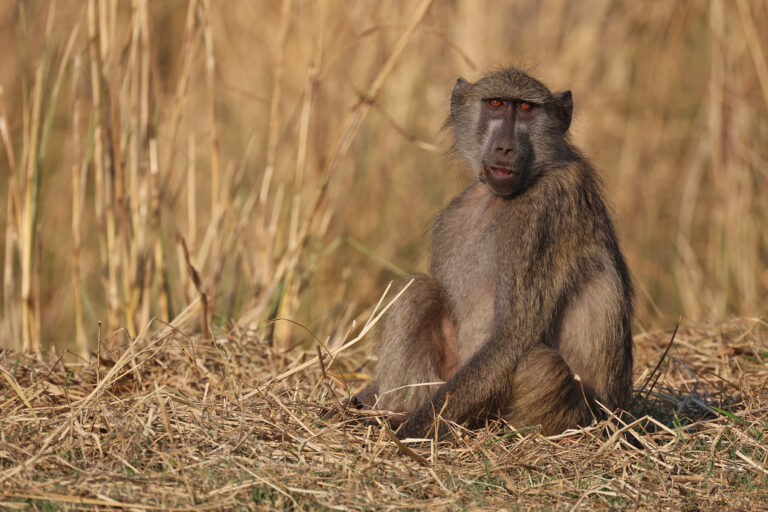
x: 504, y: 151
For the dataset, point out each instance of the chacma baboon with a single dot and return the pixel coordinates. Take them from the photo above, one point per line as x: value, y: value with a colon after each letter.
x: 526, y: 312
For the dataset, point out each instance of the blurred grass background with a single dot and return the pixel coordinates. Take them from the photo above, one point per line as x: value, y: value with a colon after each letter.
x: 258, y: 133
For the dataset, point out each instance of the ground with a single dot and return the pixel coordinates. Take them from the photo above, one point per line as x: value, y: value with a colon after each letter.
x: 175, y: 422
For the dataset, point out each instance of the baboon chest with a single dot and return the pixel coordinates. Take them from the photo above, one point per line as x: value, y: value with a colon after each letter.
x: 465, y: 261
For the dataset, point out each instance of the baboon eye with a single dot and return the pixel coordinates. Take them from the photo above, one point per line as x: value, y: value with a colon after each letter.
x: 495, y: 103
x: 524, y: 106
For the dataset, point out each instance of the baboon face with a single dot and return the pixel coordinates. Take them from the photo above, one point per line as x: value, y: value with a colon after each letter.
x: 508, y: 126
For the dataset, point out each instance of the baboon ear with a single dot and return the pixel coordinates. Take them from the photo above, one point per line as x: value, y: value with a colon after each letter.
x: 564, y: 102
x: 457, y: 94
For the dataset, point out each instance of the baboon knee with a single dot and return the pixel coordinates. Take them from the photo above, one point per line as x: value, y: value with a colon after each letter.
x: 419, y: 307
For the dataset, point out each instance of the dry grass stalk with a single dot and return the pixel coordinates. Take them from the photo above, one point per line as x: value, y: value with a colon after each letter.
x: 12, y: 227
x: 210, y: 67
x: 204, y: 325
x: 79, y: 182
x: 30, y: 337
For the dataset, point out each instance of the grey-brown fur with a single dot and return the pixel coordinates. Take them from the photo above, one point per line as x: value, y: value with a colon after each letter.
x: 528, y: 286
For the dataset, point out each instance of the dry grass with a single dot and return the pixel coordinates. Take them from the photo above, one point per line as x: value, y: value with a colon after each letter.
x: 164, y: 422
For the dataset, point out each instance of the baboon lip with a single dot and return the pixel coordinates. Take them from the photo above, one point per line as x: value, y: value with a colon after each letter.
x: 498, y: 171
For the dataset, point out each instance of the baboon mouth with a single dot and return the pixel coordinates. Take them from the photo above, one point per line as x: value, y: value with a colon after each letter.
x: 498, y: 171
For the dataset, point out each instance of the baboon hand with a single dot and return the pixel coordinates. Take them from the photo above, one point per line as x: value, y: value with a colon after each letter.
x: 416, y: 426
x: 422, y: 424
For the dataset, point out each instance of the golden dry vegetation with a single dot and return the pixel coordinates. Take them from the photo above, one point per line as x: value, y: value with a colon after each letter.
x: 174, y: 176
x: 168, y: 424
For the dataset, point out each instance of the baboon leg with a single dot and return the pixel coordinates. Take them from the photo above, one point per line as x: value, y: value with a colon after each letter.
x: 545, y: 392
x: 417, y: 346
